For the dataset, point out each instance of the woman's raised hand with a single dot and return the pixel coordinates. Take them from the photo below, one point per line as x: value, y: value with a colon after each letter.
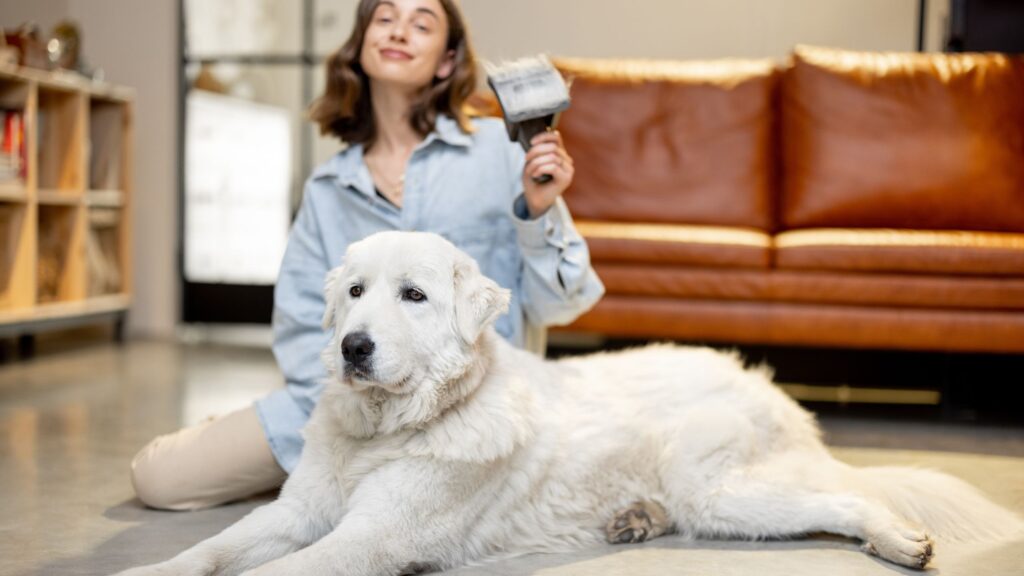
x: 547, y: 155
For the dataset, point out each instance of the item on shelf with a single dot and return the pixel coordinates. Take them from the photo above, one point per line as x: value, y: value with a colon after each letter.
x: 64, y: 50
x: 31, y: 47
x: 13, y: 162
x: 45, y: 148
x: 101, y: 252
x: 104, y: 217
x: 105, y: 125
x: 64, y: 46
x: 54, y: 238
x: 8, y: 54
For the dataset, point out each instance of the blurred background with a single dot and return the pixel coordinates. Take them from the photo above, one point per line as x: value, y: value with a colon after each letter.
x: 270, y: 52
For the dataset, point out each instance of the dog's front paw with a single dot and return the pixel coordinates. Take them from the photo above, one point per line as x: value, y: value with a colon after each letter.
x: 640, y: 522
x: 902, y: 545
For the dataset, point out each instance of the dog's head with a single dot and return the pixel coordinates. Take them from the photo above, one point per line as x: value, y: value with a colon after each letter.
x: 407, y: 310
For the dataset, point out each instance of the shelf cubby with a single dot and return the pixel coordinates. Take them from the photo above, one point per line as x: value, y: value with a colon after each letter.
x: 61, y: 129
x: 17, y: 256
x: 60, y: 261
x: 108, y: 124
x: 16, y: 100
x: 103, y: 253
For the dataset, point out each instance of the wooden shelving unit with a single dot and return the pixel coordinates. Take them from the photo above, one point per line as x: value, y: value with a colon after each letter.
x: 65, y: 230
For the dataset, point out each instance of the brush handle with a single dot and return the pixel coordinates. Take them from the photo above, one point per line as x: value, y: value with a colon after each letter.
x: 527, y: 129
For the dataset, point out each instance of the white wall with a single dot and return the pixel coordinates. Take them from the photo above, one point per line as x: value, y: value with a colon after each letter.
x: 45, y: 13
x: 136, y: 45
x: 686, y: 28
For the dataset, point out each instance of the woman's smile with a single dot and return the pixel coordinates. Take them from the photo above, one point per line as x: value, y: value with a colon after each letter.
x: 395, y: 54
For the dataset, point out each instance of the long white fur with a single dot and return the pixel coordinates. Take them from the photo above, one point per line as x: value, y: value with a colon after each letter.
x: 463, y: 449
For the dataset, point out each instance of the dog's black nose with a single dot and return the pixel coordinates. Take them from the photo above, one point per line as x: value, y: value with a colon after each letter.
x: 356, y: 347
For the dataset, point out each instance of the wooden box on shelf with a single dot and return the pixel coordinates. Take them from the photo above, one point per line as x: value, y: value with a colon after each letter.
x: 65, y: 231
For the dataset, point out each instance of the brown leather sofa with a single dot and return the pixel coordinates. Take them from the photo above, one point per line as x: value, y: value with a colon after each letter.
x: 866, y: 200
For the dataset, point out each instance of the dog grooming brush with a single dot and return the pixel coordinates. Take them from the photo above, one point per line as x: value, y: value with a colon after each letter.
x: 531, y: 94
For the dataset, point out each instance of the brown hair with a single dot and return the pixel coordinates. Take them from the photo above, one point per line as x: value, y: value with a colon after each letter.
x: 344, y: 109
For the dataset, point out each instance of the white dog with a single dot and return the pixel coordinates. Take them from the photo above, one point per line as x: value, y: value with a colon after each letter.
x: 438, y: 444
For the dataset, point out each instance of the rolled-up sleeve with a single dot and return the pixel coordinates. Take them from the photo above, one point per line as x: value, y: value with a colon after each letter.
x: 558, y: 282
x: 298, y: 336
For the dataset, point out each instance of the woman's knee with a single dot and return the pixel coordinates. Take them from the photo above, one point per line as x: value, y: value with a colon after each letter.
x: 217, y: 461
x: 156, y: 479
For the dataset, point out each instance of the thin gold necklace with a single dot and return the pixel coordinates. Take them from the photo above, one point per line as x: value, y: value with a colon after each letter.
x: 393, y: 189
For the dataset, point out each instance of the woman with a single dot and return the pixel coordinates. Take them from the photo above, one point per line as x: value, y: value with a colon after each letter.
x: 395, y: 93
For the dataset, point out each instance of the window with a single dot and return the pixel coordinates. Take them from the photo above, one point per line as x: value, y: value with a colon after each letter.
x: 249, y: 68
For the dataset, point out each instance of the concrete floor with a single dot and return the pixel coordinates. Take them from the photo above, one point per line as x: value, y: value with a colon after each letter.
x: 70, y: 421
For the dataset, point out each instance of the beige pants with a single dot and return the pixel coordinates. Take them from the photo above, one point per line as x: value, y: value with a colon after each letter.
x: 214, y: 462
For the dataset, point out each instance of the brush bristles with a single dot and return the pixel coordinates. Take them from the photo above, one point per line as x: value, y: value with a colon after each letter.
x: 528, y: 88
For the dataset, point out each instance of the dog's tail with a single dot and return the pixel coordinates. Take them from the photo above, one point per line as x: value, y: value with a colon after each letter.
x: 947, y: 507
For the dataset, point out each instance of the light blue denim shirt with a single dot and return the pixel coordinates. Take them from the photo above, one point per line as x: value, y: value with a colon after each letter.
x: 465, y: 187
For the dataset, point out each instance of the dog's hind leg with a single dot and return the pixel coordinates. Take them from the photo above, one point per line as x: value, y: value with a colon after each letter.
x: 750, y: 507
x: 640, y: 522
x: 719, y: 482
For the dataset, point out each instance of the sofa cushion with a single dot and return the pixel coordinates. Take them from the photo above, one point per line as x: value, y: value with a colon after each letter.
x: 920, y: 141
x: 916, y: 251
x: 679, y: 142
x: 886, y: 290
x: 806, y: 324
x: 716, y: 246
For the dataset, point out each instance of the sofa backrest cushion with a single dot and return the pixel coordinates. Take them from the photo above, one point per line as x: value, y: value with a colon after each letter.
x: 671, y: 142
x: 926, y: 141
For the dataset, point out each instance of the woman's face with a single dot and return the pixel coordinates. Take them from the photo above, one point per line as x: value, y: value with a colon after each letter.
x: 406, y: 43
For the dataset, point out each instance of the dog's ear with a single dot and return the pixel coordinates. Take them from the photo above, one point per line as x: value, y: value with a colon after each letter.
x: 331, y: 282
x: 478, y: 299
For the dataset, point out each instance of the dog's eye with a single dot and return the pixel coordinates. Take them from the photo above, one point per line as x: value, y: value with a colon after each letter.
x: 413, y: 295
x: 355, y: 291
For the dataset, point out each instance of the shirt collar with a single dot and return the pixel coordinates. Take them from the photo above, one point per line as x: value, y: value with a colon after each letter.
x: 447, y: 130
x: 349, y: 169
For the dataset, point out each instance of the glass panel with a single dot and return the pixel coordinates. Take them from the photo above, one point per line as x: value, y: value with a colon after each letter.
x: 242, y: 27
x: 332, y: 24
x: 242, y: 170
